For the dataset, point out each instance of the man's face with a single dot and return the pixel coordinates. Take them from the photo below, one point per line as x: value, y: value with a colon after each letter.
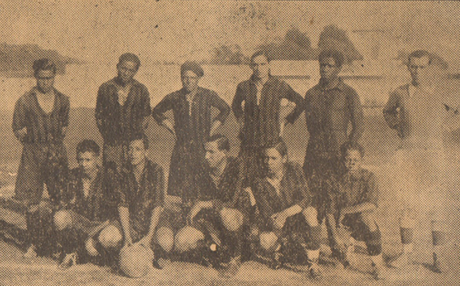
x: 126, y: 71
x: 190, y: 80
x: 418, y: 69
x: 274, y: 162
x: 87, y: 161
x: 260, y: 67
x: 213, y: 156
x: 353, y: 160
x: 328, y: 69
x: 136, y: 152
x: 45, y: 80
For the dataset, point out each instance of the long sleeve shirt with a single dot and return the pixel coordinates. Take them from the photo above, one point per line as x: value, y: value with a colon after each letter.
x: 328, y: 114
x: 192, y: 123
x: 262, y: 117
x: 41, y: 127
x: 142, y: 197
x: 117, y: 123
x: 293, y: 190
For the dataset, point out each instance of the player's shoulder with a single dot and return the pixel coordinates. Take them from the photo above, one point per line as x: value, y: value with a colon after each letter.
x: 401, y: 90
x: 367, y: 175
x: 153, y: 167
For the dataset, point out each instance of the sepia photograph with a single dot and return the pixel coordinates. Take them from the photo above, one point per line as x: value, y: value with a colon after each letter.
x: 167, y: 142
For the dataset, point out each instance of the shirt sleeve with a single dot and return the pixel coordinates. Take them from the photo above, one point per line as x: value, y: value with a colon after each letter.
x: 237, y: 101
x: 301, y: 195
x: 357, y: 116
x: 65, y: 111
x: 390, y: 111
x: 221, y: 105
x: 162, y: 107
x: 293, y: 96
x: 146, y: 108
x: 19, y: 115
x: 159, y: 182
x: 372, y: 191
x: 100, y: 109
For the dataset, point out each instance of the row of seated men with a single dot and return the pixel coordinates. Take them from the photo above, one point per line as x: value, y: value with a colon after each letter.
x: 104, y: 211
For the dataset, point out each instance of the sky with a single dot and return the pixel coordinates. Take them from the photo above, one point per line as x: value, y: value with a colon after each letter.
x: 174, y: 31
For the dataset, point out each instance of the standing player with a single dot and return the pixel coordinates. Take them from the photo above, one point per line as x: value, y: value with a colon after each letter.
x: 287, y: 224
x: 88, y: 202
x: 259, y: 118
x: 331, y: 106
x: 418, y: 114
x: 192, y: 108
x: 122, y: 110
x: 352, y: 206
x: 40, y: 120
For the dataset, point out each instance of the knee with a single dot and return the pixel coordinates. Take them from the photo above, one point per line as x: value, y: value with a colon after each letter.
x: 268, y: 240
x: 311, y: 216
x: 368, y: 219
x: 110, y: 237
x: 232, y: 219
x: 165, y: 238
x: 90, y: 246
x: 62, y: 220
x: 187, y: 238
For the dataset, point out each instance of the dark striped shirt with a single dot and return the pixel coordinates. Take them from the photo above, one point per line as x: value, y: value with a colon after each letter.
x: 41, y: 127
x: 261, y: 122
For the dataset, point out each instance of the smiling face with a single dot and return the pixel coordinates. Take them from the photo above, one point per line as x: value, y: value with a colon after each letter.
x: 189, y: 81
x: 328, y: 69
x: 260, y: 67
x: 352, y: 160
x: 418, y: 68
x: 137, y: 152
x: 87, y: 161
x: 274, y: 162
x: 213, y: 156
x: 126, y: 71
x: 45, y: 80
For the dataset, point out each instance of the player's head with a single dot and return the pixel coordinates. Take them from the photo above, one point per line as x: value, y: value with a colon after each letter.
x: 217, y: 147
x: 88, y: 155
x: 330, y: 64
x: 417, y: 64
x: 352, y: 155
x: 191, y: 73
x: 138, y: 149
x: 127, y: 67
x: 275, y: 156
x: 44, y: 72
x: 260, y: 65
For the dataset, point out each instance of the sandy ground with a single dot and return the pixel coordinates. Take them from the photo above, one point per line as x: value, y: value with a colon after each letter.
x: 380, y: 144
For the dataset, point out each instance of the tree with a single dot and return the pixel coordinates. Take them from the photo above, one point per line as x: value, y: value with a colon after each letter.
x: 334, y: 38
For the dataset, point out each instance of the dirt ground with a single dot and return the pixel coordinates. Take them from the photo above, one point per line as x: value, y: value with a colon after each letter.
x: 380, y: 144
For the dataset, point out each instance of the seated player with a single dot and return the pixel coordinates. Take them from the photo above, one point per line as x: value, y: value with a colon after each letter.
x: 86, y: 205
x: 286, y: 225
x: 140, y: 200
x: 212, y: 221
x: 351, y: 208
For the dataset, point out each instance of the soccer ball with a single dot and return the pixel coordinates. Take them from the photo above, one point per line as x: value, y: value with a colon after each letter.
x: 135, y: 261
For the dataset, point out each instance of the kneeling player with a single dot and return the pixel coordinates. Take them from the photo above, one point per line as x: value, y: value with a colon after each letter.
x: 140, y: 200
x: 351, y: 208
x: 87, y: 205
x: 286, y: 226
x: 214, y: 222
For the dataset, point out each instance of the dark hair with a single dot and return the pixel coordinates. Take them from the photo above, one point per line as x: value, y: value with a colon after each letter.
x: 222, y: 141
x: 347, y: 146
x: 43, y: 64
x: 130, y: 57
x: 260, y: 53
x: 419, y: 54
x: 336, y: 55
x: 143, y: 137
x: 280, y: 146
x: 88, y: 145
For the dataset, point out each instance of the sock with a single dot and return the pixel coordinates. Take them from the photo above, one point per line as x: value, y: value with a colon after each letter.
x: 374, y: 242
x: 315, y: 237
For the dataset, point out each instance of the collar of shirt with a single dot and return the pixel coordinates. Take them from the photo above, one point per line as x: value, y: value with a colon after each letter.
x: 412, y: 89
x: 339, y: 85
